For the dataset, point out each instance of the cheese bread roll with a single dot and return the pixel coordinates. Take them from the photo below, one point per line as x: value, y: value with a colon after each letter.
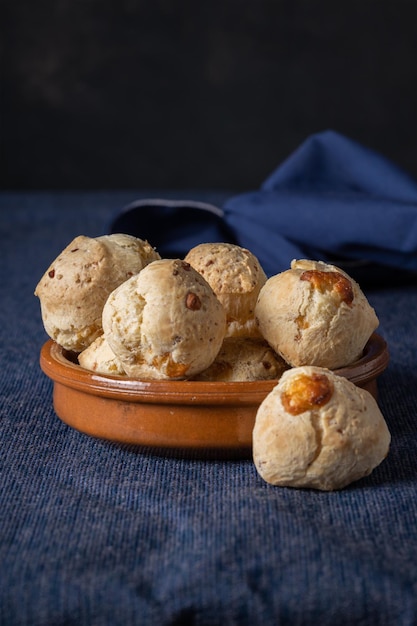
x: 74, y: 288
x: 318, y: 430
x: 236, y: 276
x: 315, y: 314
x: 164, y: 323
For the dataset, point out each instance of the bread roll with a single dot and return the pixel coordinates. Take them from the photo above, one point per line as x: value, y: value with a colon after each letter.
x: 318, y: 430
x: 236, y: 276
x: 100, y: 358
x: 165, y: 322
x: 315, y: 314
x: 74, y: 288
x: 244, y: 359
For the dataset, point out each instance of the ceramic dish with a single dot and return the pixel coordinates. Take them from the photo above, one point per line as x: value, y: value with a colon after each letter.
x: 202, y: 417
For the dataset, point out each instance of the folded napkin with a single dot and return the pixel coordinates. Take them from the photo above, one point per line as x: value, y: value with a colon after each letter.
x: 173, y: 227
x: 331, y: 200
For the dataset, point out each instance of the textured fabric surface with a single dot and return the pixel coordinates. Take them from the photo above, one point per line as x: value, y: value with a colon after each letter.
x: 95, y: 533
x: 323, y: 202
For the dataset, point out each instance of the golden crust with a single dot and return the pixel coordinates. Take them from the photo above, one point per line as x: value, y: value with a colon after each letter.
x: 244, y: 359
x: 165, y: 322
x: 315, y: 314
x: 74, y: 288
x: 326, y: 446
x: 236, y: 277
x: 100, y: 358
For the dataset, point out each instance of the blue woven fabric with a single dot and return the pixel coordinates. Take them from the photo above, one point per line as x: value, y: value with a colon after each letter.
x: 332, y: 199
x: 95, y: 533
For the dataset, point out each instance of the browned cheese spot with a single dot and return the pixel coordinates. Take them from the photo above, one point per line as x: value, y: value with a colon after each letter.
x: 330, y: 282
x: 302, y: 322
x: 306, y: 393
x: 172, y: 368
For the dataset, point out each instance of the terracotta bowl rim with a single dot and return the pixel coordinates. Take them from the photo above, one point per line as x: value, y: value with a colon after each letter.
x: 58, y: 364
x: 201, y: 419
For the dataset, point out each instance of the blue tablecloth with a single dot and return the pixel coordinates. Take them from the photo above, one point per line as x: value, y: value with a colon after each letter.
x: 95, y: 533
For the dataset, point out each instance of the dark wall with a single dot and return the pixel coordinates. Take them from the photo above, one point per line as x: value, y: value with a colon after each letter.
x: 181, y: 93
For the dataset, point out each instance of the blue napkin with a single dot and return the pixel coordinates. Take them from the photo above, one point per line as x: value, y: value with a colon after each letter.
x: 173, y: 227
x: 332, y: 200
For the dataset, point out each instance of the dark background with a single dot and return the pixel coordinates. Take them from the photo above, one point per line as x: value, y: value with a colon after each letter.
x: 100, y: 94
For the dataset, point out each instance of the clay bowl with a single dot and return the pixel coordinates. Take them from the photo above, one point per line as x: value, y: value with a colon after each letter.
x: 185, y: 417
